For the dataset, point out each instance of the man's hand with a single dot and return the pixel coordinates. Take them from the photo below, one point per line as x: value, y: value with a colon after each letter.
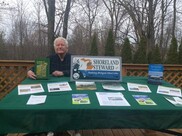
x: 31, y: 74
x: 57, y: 73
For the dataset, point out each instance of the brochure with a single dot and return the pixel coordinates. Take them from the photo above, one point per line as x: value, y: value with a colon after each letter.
x: 169, y: 91
x: 111, y: 99
x: 30, y: 89
x: 176, y: 101
x: 80, y: 99
x: 59, y: 86
x: 85, y: 85
x: 155, y: 74
x: 42, y: 68
x: 144, y: 100
x: 138, y: 87
x: 115, y: 86
x: 36, y: 99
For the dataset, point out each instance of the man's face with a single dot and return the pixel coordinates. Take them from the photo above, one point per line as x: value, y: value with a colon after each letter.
x: 60, y: 47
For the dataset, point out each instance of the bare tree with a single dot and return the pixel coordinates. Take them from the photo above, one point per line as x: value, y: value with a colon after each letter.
x: 163, y: 12
x: 154, y: 20
x: 174, y: 18
x: 19, y: 32
x: 142, y: 13
x: 152, y: 4
x: 38, y: 8
x: 90, y: 9
x: 39, y: 34
x: 50, y: 12
x: 162, y: 42
x: 66, y: 17
x: 116, y: 13
x: 63, y: 16
x: 77, y: 41
x: 137, y: 15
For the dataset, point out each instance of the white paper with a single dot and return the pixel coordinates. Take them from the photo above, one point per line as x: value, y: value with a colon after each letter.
x: 85, y: 85
x: 111, y: 99
x: 171, y: 101
x: 114, y: 86
x: 138, y: 87
x: 177, y: 101
x: 59, y: 86
x: 169, y: 91
x: 30, y: 89
x: 36, y: 99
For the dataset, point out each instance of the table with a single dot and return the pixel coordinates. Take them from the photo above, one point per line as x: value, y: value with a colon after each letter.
x: 58, y: 112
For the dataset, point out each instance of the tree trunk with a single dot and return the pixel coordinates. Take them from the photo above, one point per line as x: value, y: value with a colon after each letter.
x: 150, y: 31
x: 66, y: 17
x: 174, y: 18
x: 51, y: 20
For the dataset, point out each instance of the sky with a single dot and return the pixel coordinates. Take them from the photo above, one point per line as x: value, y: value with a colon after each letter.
x: 8, y: 12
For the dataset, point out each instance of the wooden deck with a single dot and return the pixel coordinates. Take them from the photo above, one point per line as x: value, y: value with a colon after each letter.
x: 115, y: 132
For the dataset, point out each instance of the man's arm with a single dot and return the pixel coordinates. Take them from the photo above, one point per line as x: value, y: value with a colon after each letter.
x: 57, y: 73
x: 66, y: 72
x: 31, y: 74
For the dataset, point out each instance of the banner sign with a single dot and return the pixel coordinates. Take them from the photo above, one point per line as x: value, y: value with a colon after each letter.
x: 95, y: 68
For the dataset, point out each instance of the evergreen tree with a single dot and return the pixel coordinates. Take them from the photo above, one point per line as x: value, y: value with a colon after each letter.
x: 109, y: 48
x: 172, y: 55
x: 156, y: 56
x: 140, y: 56
x: 94, y: 49
x: 150, y: 56
x: 3, y: 51
x: 126, y: 52
x: 180, y: 53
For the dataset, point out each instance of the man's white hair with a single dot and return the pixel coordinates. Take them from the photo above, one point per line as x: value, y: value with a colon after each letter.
x: 61, y: 38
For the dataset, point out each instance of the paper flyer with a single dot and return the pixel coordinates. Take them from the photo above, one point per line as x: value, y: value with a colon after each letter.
x: 176, y: 101
x: 138, y: 87
x: 114, y: 86
x: 144, y: 100
x: 111, y: 99
x: 169, y: 91
x: 85, y: 85
x: 30, y: 89
x: 58, y: 87
x: 36, y: 99
x: 80, y: 99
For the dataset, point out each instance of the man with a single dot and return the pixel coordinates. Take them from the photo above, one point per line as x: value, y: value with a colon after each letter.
x: 59, y: 62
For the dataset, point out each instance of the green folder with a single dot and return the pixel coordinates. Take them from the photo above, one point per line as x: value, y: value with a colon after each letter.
x: 42, y: 66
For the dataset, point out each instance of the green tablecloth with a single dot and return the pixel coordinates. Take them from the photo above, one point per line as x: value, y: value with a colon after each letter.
x: 58, y: 113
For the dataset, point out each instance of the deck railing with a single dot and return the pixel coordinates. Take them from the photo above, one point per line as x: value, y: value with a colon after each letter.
x: 172, y: 73
x: 12, y: 72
